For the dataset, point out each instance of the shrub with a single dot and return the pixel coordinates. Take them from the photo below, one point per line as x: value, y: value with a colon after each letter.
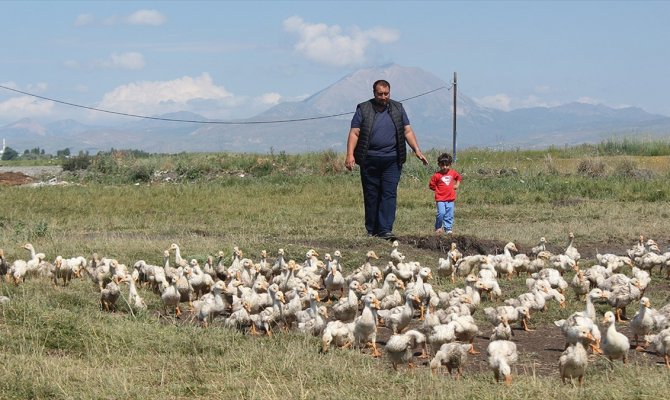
x: 591, y: 168
x: 330, y: 162
x: 79, y: 162
x: 628, y: 168
x: 141, y: 173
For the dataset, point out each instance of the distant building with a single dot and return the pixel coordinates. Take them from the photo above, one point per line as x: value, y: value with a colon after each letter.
x: 3, y: 148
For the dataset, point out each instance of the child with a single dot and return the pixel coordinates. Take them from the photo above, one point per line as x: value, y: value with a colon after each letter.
x: 444, y: 183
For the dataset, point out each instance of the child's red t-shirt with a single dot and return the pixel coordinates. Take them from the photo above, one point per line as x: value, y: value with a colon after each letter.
x: 443, y: 185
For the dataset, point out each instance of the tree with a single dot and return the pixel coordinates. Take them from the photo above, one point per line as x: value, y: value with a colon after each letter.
x: 63, y: 153
x: 10, y: 154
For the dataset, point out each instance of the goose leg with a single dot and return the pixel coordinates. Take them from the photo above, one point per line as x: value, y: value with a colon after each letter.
x: 375, y: 350
x: 508, y: 380
x: 472, y: 347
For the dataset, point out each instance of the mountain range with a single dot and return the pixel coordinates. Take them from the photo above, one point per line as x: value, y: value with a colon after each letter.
x: 321, y: 122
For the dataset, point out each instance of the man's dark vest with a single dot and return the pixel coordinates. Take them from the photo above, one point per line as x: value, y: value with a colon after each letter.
x: 368, y: 113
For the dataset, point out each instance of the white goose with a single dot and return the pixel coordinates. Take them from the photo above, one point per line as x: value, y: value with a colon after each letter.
x: 394, y: 299
x: 645, y: 321
x: 398, y: 318
x: 315, y: 326
x: 334, y: 281
x: 396, y: 256
x: 446, y: 267
x: 178, y: 260
x: 400, y: 347
x: 512, y: 314
x: 346, y: 309
x: 622, y: 295
x: 571, y: 250
x: 453, y: 355
x: 503, y: 263
x: 62, y: 270
x: 387, y: 287
x: 365, y: 325
x: 421, y: 288
x: 502, y: 331
x: 660, y: 343
x: 542, y: 246
x: 574, y: 360
x: 580, y: 284
x: 279, y: 263
x: 571, y: 326
x: 134, y: 298
x: 270, y: 317
x: 363, y: 273
x: 108, y: 296
x: 211, y: 305
x: 170, y: 295
x: 466, y: 329
x: 337, y: 333
x: 615, y: 344
x: 501, y: 355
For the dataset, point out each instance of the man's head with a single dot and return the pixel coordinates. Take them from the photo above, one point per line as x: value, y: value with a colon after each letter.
x: 382, y: 91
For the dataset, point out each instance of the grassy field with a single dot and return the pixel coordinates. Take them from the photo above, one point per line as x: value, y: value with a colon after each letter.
x: 56, y: 343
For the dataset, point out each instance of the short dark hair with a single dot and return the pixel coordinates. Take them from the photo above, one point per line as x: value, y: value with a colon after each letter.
x: 380, y: 82
x: 445, y: 159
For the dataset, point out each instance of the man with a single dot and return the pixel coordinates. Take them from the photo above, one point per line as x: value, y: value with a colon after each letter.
x: 379, y: 130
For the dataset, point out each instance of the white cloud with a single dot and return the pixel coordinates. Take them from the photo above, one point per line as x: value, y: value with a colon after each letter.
x: 497, y: 101
x: 139, y: 17
x: 588, y: 100
x: 130, y: 60
x: 160, y: 97
x: 504, y: 102
x: 532, y: 101
x: 26, y: 106
x: 329, y: 45
x: 84, y: 20
x: 146, y: 17
x: 270, y: 99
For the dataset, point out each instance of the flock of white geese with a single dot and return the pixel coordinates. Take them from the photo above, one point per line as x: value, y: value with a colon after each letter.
x: 314, y: 297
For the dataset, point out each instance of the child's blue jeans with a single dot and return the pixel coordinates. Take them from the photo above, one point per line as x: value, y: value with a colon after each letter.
x: 445, y: 215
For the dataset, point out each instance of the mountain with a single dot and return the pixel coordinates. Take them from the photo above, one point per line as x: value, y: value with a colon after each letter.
x: 321, y: 122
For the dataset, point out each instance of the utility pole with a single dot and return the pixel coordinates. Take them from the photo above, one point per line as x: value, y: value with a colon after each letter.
x: 454, y: 119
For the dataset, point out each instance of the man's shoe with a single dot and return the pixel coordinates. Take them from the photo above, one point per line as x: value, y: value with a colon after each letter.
x: 387, y: 236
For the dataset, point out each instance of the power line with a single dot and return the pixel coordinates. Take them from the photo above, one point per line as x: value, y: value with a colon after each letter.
x: 198, y: 121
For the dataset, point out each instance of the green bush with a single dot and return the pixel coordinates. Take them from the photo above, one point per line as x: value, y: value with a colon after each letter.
x: 141, y: 173
x: 79, y: 162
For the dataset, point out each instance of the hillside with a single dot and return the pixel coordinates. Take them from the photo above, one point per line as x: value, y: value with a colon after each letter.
x: 322, y: 121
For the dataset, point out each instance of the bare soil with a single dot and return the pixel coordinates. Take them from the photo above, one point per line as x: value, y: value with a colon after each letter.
x: 14, y: 178
x: 24, y: 175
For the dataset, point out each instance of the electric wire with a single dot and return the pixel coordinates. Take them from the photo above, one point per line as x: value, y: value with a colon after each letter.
x: 213, y: 122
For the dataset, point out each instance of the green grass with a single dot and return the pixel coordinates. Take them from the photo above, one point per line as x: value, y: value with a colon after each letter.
x: 56, y: 343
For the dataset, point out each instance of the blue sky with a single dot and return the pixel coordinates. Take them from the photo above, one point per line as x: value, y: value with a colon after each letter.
x: 234, y: 59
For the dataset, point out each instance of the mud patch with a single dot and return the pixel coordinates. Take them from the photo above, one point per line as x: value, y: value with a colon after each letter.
x: 14, y: 179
